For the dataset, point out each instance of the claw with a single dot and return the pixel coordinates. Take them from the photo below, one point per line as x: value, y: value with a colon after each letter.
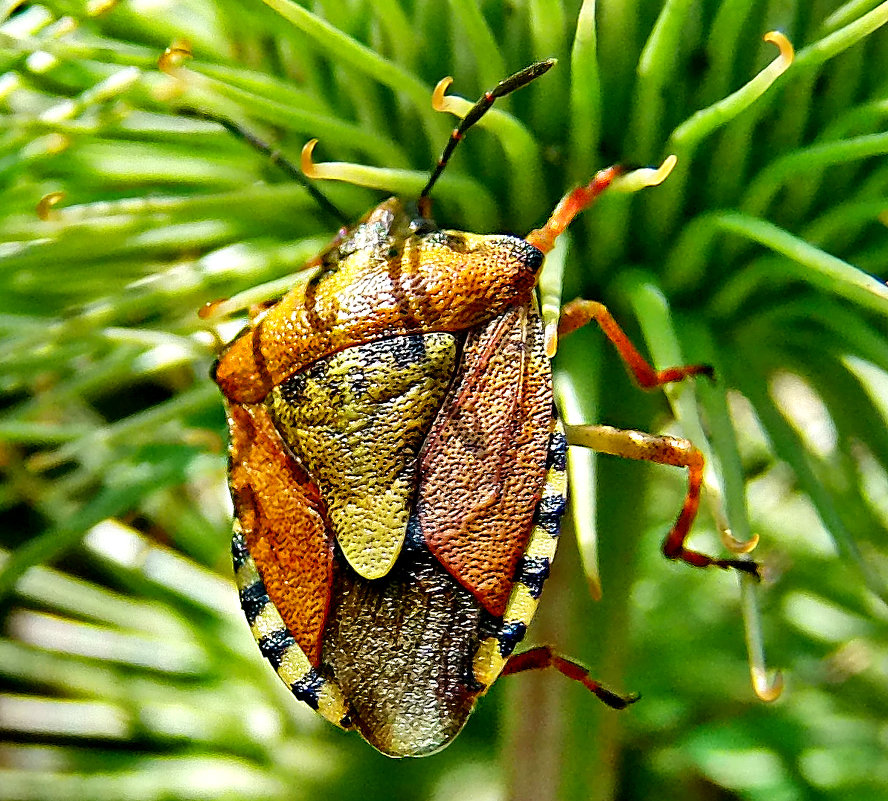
x: 746, y: 566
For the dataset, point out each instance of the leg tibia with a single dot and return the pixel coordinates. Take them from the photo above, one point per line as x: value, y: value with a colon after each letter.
x: 581, y: 312
x: 543, y: 657
x: 662, y: 450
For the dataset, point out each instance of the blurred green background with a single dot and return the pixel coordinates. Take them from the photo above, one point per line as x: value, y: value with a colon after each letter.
x: 126, y: 671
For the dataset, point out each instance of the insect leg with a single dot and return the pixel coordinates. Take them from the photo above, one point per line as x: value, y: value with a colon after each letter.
x: 570, y: 206
x: 582, y: 197
x: 662, y: 450
x: 543, y: 657
x: 580, y: 312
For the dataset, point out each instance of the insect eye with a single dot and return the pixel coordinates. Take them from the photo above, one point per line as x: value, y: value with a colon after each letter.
x: 420, y: 226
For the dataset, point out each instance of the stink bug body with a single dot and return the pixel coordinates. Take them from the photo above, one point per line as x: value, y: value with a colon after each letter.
x: 398, y: 472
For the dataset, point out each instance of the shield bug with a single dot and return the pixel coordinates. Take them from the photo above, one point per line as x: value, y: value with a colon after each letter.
x: 398, y: 472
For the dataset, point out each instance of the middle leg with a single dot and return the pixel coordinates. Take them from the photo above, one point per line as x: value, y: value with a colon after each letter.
x: 662, y: 450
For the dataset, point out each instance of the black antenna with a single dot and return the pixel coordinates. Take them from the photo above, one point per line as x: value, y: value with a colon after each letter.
x: 275, y: 157
x: 480, y: 108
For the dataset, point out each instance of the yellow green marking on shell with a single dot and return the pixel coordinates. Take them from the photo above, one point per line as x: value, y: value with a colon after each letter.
x: 276, y: 643
x: 494, y: 652
x: 357, y: 420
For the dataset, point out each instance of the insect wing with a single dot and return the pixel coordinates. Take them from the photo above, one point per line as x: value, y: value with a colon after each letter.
x: 279, y: 511
x: 483, y: 466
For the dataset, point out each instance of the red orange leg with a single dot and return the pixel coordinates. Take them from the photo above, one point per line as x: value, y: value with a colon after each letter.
x: 581, y: 312
x: 543, y: 657
x: 662, y: 450
x: 570, y: 206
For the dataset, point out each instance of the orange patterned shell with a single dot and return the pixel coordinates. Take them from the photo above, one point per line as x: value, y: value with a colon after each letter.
x: 482, y: 465
x: 281, y: 515
x: 381, y: 281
